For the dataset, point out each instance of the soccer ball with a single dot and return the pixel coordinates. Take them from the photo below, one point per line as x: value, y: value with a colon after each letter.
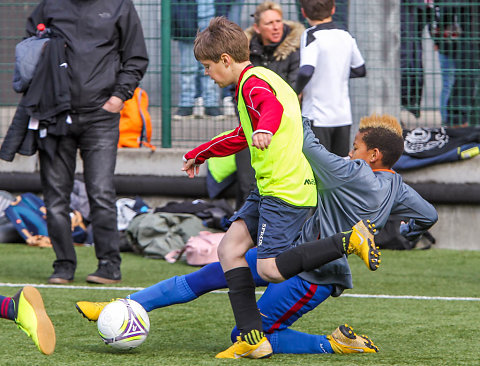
x: 123, y: 324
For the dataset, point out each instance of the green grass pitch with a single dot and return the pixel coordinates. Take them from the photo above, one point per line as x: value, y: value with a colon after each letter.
x: 429, y: 316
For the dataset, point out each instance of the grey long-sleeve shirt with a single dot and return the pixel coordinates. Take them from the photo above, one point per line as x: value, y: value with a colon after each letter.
x: 349, y: 191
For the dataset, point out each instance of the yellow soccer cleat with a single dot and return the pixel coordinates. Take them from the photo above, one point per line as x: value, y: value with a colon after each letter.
x: 90, y: 309
x: 242, y: 349
x: 362, y: 243
x: 31, y: 317
x: 344, y: 340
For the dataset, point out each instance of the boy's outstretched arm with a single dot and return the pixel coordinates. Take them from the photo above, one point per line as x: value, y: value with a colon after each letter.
x: 222, y: 145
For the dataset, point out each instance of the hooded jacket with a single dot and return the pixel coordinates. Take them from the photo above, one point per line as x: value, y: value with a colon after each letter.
x: 47, y: 99
x: 283, y: 57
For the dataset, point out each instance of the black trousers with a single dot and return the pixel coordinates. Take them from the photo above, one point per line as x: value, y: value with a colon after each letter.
x: 335, y: 139
x: 95, y: 135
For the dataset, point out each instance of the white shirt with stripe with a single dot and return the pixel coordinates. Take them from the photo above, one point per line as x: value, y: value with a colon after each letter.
x: 332, y: 52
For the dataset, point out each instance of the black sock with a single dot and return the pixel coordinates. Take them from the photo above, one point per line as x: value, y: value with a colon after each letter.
x: 310, y: 255
x: 244, y: 304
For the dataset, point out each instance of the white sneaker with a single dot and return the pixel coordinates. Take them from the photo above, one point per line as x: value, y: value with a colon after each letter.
x: 198, y: 107
x: 228, y: 106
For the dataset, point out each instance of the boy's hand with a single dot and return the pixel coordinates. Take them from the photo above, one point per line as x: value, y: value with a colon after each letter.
x: 261, y: 140
x: 190, y: 168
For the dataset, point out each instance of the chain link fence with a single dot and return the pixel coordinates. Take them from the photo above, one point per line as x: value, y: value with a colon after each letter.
x: 422, y: 59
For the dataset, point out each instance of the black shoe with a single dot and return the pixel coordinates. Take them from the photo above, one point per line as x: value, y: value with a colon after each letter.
x: 107, y: 272
x: 183, y: 112
x: 213, y: 112
x: 63, y: 273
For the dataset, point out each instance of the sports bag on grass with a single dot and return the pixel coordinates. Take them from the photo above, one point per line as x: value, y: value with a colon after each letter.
x: 156, y: 234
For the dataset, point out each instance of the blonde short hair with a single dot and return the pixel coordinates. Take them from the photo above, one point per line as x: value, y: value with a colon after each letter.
x: 263, y: 7
x: 381, y: 121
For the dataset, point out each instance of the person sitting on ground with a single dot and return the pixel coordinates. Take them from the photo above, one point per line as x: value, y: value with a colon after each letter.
x: 358, y: 188
x: 27, y: 310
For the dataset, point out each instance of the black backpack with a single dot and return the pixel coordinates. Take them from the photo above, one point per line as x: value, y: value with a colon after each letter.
x: 389, y: 237
x: 214, y: 214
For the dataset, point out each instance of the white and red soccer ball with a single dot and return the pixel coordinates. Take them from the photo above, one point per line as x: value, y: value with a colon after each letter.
x: 123, y: 324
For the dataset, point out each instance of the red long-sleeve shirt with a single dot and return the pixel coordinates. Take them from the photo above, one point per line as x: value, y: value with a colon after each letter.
x: 265, y: 113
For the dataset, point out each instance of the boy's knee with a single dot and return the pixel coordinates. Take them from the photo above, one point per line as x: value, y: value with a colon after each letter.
x: 221, y: 252
x: 268, y: 271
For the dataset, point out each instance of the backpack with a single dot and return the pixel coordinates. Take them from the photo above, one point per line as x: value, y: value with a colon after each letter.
x: 156, y: 234
x: 199, y: 250
x: 215, y: 214
x: 389, y: 237
x: 135, y: 122
x: 27, y: 54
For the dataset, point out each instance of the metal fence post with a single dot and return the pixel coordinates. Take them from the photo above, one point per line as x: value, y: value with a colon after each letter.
x: 377, y: 29
x: 166, y: 75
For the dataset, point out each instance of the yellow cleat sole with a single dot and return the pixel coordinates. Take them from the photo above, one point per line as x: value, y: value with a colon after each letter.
x: 45, y: 332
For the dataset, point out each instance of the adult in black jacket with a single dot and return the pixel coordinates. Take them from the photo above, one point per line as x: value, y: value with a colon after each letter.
x: 106, y: 58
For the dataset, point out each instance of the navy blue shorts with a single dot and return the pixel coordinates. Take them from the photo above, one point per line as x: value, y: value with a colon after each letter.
x: 273, y: 223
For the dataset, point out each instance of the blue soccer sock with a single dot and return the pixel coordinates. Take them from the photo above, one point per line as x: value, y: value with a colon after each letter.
x: 175, y: 290
x: 211, y: 277
x: 292, y: 341
x: 7, y: 308
x: 185, y: 288
x: 206, y: 279
x: 181, y: 289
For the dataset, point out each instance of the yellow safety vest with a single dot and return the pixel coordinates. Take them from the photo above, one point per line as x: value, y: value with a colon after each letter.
x: 281, y: 170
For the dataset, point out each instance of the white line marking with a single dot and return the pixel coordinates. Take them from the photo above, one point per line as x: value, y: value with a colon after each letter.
x: 132, y: 289
x: 71, y: 287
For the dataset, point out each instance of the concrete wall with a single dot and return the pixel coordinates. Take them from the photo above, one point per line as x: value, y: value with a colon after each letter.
x: 456, y: 222
x: 158, y: 175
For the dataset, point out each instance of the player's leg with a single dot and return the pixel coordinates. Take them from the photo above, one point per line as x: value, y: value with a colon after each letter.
x: 340, y: 144
x: 278, y: 224
x: 178, y: 289
x: 284, y: 303
x: 7, y: 308
x: 181, y: 289
x: 311, y: 255
x: 342, y: 340
x: 252, y: 342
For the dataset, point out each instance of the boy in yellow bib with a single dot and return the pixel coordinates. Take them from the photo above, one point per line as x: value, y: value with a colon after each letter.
x: 271, y: 127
